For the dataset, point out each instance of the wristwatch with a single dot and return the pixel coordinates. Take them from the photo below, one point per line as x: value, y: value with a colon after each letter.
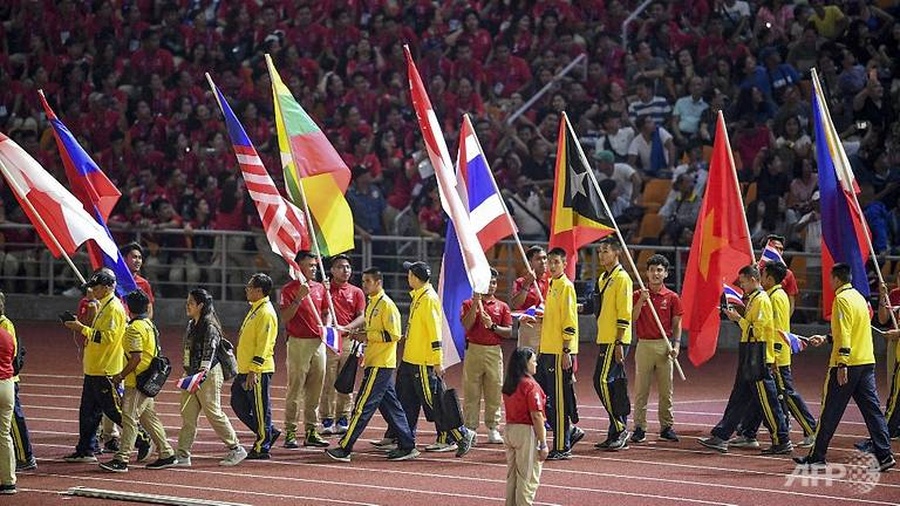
x: 493, y: 327
x: 566, y: 351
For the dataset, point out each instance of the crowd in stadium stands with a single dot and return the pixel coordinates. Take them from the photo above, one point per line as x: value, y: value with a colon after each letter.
x: 127, y: 77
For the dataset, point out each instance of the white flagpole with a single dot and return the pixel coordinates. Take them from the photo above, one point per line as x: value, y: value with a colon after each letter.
x: 631, y: 263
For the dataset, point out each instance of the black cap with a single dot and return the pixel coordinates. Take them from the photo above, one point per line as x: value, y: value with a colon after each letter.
x: 101, y: 277
x: 420, y: 270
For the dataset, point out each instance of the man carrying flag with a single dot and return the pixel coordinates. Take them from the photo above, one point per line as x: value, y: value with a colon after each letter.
x: 528, y: 293
x: 773, y: 252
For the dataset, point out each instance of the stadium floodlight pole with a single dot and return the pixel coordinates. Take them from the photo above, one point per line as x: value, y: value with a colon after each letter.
x: 49, y: 233
x: 631, y: 263
x: 817, y: 87
x: 512, y: 223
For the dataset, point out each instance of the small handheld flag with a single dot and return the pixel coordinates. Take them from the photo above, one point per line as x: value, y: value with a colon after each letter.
x: 797, y: 343
x: 770, y: 254
x: 192, y: 382
x: 332, y: 338
x: 733, y: 295
x: 536, y: 311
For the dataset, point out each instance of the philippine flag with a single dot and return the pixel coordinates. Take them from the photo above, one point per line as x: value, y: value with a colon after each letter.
x: 733, y: 295
x: 192, y: 383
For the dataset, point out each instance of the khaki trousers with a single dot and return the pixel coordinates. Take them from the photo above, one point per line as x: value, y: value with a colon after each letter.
x: 523, y: 469
x: 7, y: 455
x: 208, y: 399
x: 482, y: 377
x: 306, y: 375
x: 530, y: 337
x: 652, y: 361
x: 333, y: 404
x: 137, y: 407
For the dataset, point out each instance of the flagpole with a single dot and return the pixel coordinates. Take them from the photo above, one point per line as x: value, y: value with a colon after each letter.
x: 640, y: 281
x: 42, y: 223
x: 315, y: 310
x: 506, y: 211
x: 737, y: 185
x: 817, y: 85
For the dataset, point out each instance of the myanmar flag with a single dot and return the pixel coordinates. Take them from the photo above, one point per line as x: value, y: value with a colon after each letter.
x: 579, y: 215
x: 313, y: 170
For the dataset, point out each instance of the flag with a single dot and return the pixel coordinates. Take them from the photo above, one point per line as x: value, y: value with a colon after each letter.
x: 536, y: 311
x: 721, y: 246
x: 578, y: 215
x: 770, y: 254
x: 733, y: 295
x: 844, y: 234
x: 491, y: 223
x: 312, y: 169
x: 477, y: 269
x: 192, y: 382
x: 797, y: 343
x: 56, y: 214
x: 98, y: 196
x: 282, y: 220
x: 332, y: 338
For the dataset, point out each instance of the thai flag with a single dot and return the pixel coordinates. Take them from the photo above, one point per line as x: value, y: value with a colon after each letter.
x: 192, y: 383
x: 332, y: 338
x: 733, y: 295
x: 844, y: 232
x: 797, y: 343
x: 97, y: 194
x: 770, y: 254
x: 536, y: 311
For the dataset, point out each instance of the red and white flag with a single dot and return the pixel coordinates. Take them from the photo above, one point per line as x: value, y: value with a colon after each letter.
x: 57, y: 215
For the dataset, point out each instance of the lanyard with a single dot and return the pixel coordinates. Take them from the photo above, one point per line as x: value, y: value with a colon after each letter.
x: 371, y: 312
x: 248, y: 318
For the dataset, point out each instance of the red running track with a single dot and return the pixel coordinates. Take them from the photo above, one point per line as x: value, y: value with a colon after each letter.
x: 651, y: 473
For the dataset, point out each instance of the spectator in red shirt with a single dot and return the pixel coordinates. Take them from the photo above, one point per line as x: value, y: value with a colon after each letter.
x: 432, y: 222
x: 506, y: 73
x: 653, y: 357
x: 526, y: 437
x: 475, y: 37
x: 133, y: 254
x: 487, y: 320
x: 150, y: 58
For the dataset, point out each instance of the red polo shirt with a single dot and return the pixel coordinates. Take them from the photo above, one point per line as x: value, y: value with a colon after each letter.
x: 479, y: 334
x: 144, y: 285
x: 668, y: 306
x: 304, y: 324
x: 532, y: 298
x: 349, y: 302
x: 528, y: 398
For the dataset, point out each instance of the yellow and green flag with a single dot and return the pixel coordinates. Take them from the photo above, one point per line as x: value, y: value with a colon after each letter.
x: 312, y: 169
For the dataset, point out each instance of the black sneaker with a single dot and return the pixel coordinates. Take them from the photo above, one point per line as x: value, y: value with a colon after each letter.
x: 115, y: 466
x: 603, y: 444
x: 275, y: 435
x: 783, y: 449
x: 400, y: 454
x: 255, y: 455
x: 28, y: 465
x: 314, y: 439
x: 111, y: 446
x: 668, y: 434
x: 79, y: 458
x: 339, y: 454
x: 577, y: 435
x: 558, y: 455
x: 886, y: 463
x: 465, y: 444
x: 638, y: 436
x: 142, y: 443
x: 170, y: 461
x: 865, y: 446
x: 810, y: 463
x: 620, y: 443
x: 8, y: 489
x: 290, y: 440
x: 714, y: 443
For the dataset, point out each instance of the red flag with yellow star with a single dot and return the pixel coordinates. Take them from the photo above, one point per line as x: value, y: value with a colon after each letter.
x: 721, y: 246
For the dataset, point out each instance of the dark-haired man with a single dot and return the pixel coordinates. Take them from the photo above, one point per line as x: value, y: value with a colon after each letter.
x: 529, y: 291
x: 851, y: 373
x: 789, y: 283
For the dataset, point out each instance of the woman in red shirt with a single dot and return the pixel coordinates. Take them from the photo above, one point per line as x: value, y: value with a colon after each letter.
x: 526, y: 437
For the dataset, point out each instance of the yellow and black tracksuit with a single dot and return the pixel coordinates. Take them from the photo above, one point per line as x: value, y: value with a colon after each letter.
x: 756, y: 325
x: 256, y: 353
x: 791, y: 401
x: 559, y: 333
x: 19, y: 432
x: 104, y: 357
x: 614, y: 317
x: 377, y: 388
x: 852, y: 349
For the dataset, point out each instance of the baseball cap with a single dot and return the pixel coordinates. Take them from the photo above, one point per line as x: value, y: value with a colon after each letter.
x: 420, y: 270
x: 101, y: 277
x: 604, y: 155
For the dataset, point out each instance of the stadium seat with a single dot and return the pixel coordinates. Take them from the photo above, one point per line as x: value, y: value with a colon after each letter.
x: 751, y: 194
x: 651, y: 226
x: 655, y: 193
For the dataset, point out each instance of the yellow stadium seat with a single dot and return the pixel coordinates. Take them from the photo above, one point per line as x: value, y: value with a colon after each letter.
x: 651, y: 226
x: 655, y: 193
x: 751, y: 194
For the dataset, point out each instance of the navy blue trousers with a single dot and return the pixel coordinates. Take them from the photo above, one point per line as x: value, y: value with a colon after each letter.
x: 557, y: 384
x: 418, y: 387
x: 254, y: 409
x: 746, y: 395
x: 20, y: 437
x: 376, y: 392
x: 606, y: 372
x: 791, y: 404
x: 861, y: 388
x: 892, y: 410
x: 98, y: 397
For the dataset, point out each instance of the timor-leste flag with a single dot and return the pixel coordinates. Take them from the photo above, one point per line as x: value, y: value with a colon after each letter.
x: 720, y: 248
x: 579, y: 215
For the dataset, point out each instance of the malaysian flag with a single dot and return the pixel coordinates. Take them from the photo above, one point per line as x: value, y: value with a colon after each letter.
x: 770, y: 254
x: 733, y: 295
x: 192, y: 382
x: 283, y: 221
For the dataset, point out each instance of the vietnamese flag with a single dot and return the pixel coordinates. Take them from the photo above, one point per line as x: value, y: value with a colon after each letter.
x: 721, y: 247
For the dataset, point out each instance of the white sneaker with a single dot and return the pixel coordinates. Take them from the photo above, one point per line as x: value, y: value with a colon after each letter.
x: 441, y: 447
x: 743, y: 442
x: 234, y: 457
x: 807, y: 442
x: 494, y: 437
x: 182, y: 462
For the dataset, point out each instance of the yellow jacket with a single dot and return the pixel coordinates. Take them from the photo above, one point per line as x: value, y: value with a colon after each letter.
x: 103, y: 352
x: 781, y: 317
x: 382, y: 331
x: 256, y: 339
x: 423, y: 335
x: 616, y: 303
x: 559, y: 328
x: 850, y: 328
x: 757, y: 320
x: 140, y: 335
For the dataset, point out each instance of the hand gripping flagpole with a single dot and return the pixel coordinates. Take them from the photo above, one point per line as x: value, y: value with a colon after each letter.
x: 817, y: 86
x: 512, y: 223
x: 631, y: 263
x: 41, y: 222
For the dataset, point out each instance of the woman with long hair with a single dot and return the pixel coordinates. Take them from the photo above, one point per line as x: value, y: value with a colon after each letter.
x: 201, y: 342
x: 526, y: 437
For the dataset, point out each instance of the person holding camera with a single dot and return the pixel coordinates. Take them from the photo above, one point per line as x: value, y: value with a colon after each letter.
x: 141, y: 343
